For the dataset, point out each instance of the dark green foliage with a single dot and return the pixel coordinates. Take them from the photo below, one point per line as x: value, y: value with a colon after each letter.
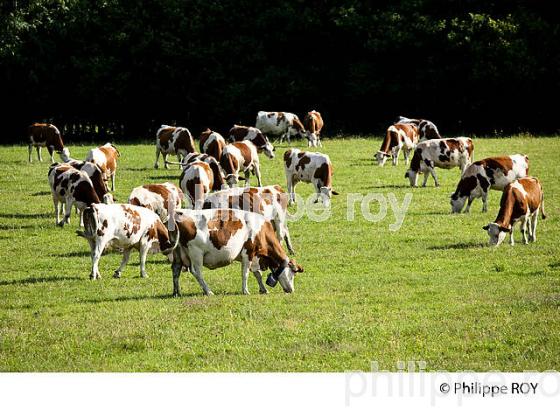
x: 127, y: 66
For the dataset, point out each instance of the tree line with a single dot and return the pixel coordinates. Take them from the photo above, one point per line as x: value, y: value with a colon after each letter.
x: 118, y: 69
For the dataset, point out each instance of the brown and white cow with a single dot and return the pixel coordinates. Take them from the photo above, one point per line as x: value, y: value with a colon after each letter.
x: 214, y: 238
x: 270, y: 201
x: 46, y: 135
x: 156, y: 197
x: 281, y: 124
x: 521, y: 202
x: 196, y: 181
x: 444, y: 153
x: 219, y: 181
x: 490, y: 173
x: 173, y: 140
x: 313, y: 123
x: 125, y: 227
x: 71, y: 187
x: 427, y: 130
x: 105, y: 157
x: 212, y: 143
x: 237, y: 157
x: 312, y: 167
x: 399, y: 137
x: 243, y: 133
x: 94, y: 174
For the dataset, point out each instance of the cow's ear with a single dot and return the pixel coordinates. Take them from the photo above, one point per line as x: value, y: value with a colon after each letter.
x: 486, y: 227
x: 335, y: 193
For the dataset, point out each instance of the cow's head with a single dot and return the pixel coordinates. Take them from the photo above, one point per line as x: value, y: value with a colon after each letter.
x: 268, y: 148
x: 285, y: 274
x: 412, y: 177
x: 497, y: 233
x: 108, y: 199
x: 232, y: 180
x: 65, y: 154
x: 326, y: 193
x: 457, y: 202
x: 381, y: 157
x: 312, y: 138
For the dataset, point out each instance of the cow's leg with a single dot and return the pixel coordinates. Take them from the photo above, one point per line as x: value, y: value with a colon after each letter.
x: 426, y: 175
x: 244, y: 275
x: 257, y: 169
x: 124, y: 261
x: 247, y: 177
x: 144, y: 248
x: 30, y: 151
x: 158, y: 151
x: 39, y: 157
x: 484, y: 201
x: 50, y: 149
x: 113, y: 181
x: 196, y: 270
x: 469, y: 203
x: 511, y: 240
x: 524, y: 224
x: 166, y: 165
x: 68, y: 211
x: 288, y: 241
x: 405, y: 154
x: 534, y: 220
x: 433, y: 172
x: 258, y: 276
x: 56, y: 210
x: 291, y: 190
x: 176, y: 268
x: 395, y: 152
x: 97, y: 250
x: 179, y: 159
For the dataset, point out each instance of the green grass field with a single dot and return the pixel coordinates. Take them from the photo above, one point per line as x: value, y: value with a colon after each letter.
x: 432, y: 291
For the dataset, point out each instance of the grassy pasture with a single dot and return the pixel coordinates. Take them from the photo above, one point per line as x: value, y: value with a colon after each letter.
x: 431, y: 291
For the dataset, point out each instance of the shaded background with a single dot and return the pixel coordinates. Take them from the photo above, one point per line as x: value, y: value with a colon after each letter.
x: 119, y: 69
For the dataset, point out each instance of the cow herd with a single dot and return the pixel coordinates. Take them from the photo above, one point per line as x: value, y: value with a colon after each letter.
x: 222, y: 222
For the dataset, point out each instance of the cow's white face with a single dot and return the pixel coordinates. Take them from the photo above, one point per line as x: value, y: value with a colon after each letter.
x: 286, y: 278
x: 412, y: 177
x: 326, y: 193
x: 496, y: 233
x: 312, y: 138
x: 457, y: 203
x: 232, y: 180
x: 65, y: 154
x: 381, y: 158
x: 268, y: 150
x: 108, y: 199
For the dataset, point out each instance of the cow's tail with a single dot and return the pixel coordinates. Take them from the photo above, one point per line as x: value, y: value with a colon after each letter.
x: 172, y: 227
x: 543, y: 214
x: 90, y: 224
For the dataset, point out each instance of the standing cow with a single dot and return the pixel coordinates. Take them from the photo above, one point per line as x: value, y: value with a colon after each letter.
x: 444, y: 153
x: 157, y: 197
x: 243, y: 133
x: 173, y: 140
x: 312, y: 167
x: 489, y: 173
x: 427, y: 130
x: 313, y: 123
x: 281, y: 124
x: 126, y: 227
x: 105, y: 157
x: 399, y: 137
x: 521, y: 202
x: 46, y: 135
x: 212, y: 143
x: 237, y: 157
x: 214, y: 238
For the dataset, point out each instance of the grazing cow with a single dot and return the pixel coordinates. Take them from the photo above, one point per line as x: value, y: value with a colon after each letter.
x: 156, y: 197
x: 443, y: 153
x: 313, y: 123
x: 94, y: 174
x: 237, y: 157
x: 427, y: 130
x: 125, y: 227
x: 214, y: 238
x: 46, y: 135
x: 217, y: 171
x: 399, y: 136
x: 282, y: 124
x: 173, y: 140
x: 312, y: 167
x: 489, y: 173
x: 270, y: 201
x: 521, y: 201
x: 70, y: 187
x: 242, y: 133
x: 105, y: 157
x: 196, y: 181
x: 212, y: 143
